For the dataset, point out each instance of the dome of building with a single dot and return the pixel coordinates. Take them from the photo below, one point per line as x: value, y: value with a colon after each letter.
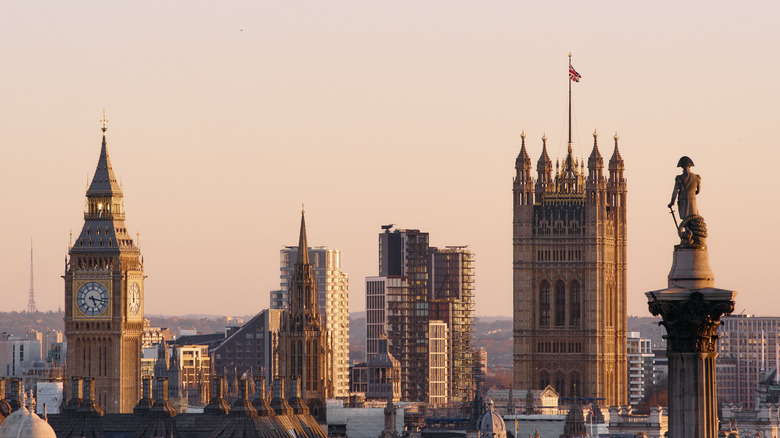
x: 23, y: 423
x: 491, y: 424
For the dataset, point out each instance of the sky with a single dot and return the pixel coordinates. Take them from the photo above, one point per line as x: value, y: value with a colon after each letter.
x: 224, y: 117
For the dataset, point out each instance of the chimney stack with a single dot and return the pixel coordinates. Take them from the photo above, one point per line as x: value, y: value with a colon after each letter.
x: 89, y: 407
x: 217, y: 405
x: 278, y: 402
x: 261, y: 402
x: 146, y: 402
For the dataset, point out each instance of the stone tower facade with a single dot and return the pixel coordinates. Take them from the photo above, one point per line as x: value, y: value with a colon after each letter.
x: 333, y: 300
x: 104, y: 296
x: 303, y: 341
x: 569, y: 269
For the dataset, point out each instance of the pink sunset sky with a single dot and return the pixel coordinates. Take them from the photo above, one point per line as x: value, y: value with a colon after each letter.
x: 225, y: 116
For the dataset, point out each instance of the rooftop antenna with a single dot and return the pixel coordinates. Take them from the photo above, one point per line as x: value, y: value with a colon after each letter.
x: 31, y: 301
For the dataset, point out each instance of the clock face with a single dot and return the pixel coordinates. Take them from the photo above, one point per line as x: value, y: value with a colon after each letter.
x: 92, y: 298
x: 134, y: 298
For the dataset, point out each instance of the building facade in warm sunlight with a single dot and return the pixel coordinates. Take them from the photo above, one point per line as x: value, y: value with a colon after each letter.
x: 569, y: 246
x: 333, y: 300
x: 104, y: 296
x: 303, y: 340
x: 748, y: 352
x: 406, y: 253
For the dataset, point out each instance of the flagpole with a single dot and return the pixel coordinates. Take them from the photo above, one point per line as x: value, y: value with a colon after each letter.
x: 569, y: 100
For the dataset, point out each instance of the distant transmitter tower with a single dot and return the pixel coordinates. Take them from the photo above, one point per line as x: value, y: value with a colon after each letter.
x: 31, y: 301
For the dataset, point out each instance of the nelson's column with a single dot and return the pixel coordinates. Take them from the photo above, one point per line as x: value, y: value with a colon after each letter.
x: 691, y: 308
x: 104, y: 292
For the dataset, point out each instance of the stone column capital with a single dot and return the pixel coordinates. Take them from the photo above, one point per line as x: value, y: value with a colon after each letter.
x: 691, y: 317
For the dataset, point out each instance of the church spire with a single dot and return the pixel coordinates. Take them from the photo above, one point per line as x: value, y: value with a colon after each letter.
x: 303, y: 248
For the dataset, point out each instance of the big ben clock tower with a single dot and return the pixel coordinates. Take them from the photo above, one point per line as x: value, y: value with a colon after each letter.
x: 104, y: 295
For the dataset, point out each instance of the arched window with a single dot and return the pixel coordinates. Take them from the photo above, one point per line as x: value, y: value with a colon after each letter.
x: 544, y: 304
x: 574, y: 382
x: 560, y: 383
x: 544, y: 379
x: 574, y: 304
x: 560, y: 304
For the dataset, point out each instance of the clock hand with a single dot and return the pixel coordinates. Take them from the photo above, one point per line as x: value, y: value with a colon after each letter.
x: 93, y: 300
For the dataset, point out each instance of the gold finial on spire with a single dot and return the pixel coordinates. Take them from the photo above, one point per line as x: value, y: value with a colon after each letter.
x: 303, y: 210
x: 595, y: 133
x: 616, y: 137
x: 569, y: 55
x: 103, y: 120
x: 544, y: 138
x: 522, y: 134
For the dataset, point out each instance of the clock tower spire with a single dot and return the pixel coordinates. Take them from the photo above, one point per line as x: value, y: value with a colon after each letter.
x: 104, y: 295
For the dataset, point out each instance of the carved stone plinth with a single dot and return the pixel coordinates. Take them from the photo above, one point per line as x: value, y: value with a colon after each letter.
x: 691, y: 268
x: 691, y: 318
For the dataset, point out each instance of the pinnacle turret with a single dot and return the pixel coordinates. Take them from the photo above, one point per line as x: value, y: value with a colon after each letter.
x: 544, y: 181
x: 616, y: 165
x: 523, y: 160
x: 595, y: 161
x: 523, y: 181
x: 544, y: 164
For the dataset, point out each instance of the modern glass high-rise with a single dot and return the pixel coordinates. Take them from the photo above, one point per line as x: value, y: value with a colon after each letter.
x: 333, y: 301
x: 452, y: 301
x: 404, y: 254
x: 418, y: 284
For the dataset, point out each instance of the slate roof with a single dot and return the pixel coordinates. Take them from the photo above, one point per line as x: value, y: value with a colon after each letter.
x: 104, y: 182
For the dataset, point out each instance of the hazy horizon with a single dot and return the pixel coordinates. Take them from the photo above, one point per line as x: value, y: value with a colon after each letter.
x: 224, y: 118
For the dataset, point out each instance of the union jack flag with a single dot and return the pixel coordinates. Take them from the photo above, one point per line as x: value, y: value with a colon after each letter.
x: 573, y: 75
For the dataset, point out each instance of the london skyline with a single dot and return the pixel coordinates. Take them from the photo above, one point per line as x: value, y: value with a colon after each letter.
x: 223, y: 120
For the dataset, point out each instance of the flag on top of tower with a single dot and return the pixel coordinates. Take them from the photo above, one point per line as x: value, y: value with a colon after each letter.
x: 573, y: 75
